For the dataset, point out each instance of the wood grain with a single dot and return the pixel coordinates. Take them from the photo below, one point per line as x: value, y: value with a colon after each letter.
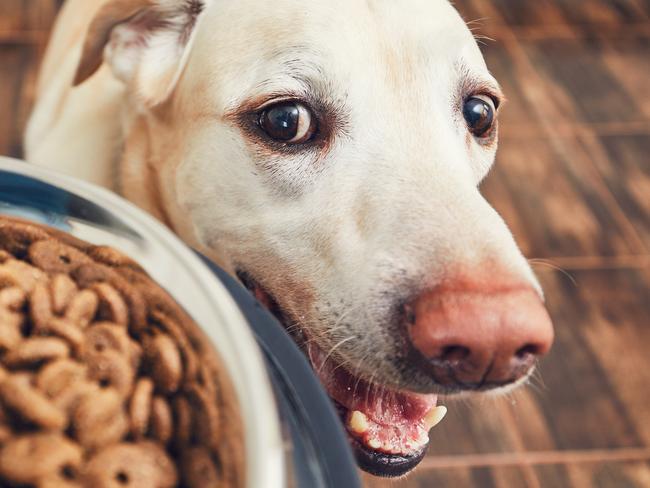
x: 573, y: 182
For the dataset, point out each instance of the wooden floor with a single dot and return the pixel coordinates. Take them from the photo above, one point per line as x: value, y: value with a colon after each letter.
x: 573, y: 182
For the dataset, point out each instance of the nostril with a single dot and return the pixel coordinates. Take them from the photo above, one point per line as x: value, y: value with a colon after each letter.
x: 527, y: 350
x: 454, y: 353
x: 408, y: 314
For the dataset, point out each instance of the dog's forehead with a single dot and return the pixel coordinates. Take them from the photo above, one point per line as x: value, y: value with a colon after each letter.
x: 340, y: 39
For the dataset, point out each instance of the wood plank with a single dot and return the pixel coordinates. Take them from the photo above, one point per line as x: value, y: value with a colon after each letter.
x: 460, y: 477
x: 546, y: 131
x: 577, y: 72
x: 616, y: 327
x: 599, y: 475
x: 606, y: 96
x: 555, y: 201
x: 27, y: 15
x: 17, y: 83
x: 606, y: 475
x: 590, y: 15
x: 624, y: 162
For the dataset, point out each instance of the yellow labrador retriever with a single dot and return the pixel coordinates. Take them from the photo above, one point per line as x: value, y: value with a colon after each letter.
x: 328, y: 154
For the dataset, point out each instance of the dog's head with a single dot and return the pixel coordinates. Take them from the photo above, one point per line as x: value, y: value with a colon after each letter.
x: 329, y: 154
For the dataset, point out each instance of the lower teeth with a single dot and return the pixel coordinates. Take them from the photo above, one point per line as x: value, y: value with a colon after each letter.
x: 358, y: 423
x: 435, y: 416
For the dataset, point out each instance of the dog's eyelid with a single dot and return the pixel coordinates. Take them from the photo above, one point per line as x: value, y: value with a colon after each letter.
x: 493, y: 93
x: 497, y: 96
x: 265, y: 101
x: 488, y: 87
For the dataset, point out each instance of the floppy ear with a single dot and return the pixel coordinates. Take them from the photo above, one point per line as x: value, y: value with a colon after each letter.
x: 145, y: 42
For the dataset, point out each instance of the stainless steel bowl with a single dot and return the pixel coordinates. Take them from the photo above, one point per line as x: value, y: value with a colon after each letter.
x: 100, y: 217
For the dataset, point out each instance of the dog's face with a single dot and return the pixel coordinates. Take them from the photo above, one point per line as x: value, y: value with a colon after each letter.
x: 329, y: 154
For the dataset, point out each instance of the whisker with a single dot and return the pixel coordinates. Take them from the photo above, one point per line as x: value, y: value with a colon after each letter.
x: 550, y: 264
x: 338, y: 344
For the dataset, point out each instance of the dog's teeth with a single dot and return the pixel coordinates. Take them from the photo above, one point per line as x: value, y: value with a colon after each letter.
x: 374, y: 443
x: 359, y: 422
x: 435, y: 416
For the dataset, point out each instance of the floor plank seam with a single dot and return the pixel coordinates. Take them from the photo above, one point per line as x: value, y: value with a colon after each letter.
x: 528, y: 458
x: 604, y: 191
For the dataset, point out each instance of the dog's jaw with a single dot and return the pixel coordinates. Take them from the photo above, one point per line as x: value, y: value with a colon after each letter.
x: 388, y: 429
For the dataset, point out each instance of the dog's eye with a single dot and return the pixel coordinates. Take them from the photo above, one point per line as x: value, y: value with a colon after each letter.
x: 479, y: 113
x: 288, y: 122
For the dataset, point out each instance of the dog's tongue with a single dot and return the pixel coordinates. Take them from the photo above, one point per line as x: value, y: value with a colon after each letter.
x: 382, y: 419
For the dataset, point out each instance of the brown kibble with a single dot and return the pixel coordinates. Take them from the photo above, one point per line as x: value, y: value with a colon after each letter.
x: 110, y: 368
x: 57, y: 376
x: 104, y: 336
x: 135, y: 354
x: 36, y: 350
x: 60, y: 481
x: 198, y: 470
x: 99, y: 419
x: 4, y: 374
x: 12, y: 298
x: 10, y: 325
x: 53, y: 256
x: 126, y: 465
x: 62, y: 289
x: 87, y: 275
x: 164, y: 361
x: 82, y: 308
x: 140, y: 407
x: 65, y: 329
x: 17, y: 236
x: 105, y: 381
x: 176, y: 332
x: 183, y: 424
x: 30, y: 404
x: 113, y: 258
x: 206, y: 378
x: 20, y: 274
x: 162, y: 423
x: 5, y: 434
x: 69, y: 398
x: 27, y: 459
x: 207, y: 423
x: 40, y: 306
x: 112, y: 306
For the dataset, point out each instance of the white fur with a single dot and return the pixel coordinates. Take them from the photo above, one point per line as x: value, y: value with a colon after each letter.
x: 388, y: 210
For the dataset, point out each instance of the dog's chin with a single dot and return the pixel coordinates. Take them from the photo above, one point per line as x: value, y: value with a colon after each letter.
x: 388, y: 429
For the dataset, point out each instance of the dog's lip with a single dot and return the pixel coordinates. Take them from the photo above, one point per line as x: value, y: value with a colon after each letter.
x: 399, y: 421
x: 383, y: 420
x: 382, y: 464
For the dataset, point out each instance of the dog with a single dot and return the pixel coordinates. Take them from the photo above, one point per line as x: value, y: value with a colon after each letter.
x: 328, y: 154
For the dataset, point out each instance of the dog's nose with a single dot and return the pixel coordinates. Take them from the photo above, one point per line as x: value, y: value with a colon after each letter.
x: 476, y: 337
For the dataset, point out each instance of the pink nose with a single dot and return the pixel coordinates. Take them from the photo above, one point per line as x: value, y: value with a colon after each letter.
x: 479, y: 336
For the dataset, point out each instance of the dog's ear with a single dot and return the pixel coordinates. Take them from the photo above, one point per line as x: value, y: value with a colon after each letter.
x: 145, y: 42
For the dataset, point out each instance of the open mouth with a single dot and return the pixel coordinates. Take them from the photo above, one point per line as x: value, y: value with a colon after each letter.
x: 388, y: 429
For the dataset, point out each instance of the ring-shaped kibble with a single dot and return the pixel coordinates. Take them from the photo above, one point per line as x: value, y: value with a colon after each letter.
x: 131, y: 465
x: 28, y: 459
x: 55, y: 257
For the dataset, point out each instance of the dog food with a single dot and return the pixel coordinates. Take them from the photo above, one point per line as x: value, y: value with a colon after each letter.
x: 105, y: 381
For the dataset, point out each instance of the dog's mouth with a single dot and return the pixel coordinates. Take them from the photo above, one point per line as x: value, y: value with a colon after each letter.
x: 388, y: 429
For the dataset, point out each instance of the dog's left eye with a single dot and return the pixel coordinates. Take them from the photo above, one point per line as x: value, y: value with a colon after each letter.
x: 479, y: 112
x: 288, y: 122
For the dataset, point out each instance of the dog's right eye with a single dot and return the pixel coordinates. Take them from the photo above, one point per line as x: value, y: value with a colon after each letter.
x: 289, y: 122
x: 480, y: 114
